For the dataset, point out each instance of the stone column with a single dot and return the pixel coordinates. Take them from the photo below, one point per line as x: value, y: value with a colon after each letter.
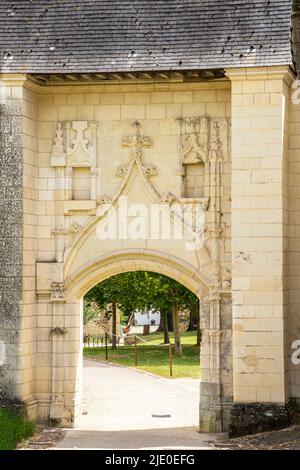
x: 210, y: 386
x: 216, y: 362
x: 216, y: 366
x: 57, y: 333
x: 259, y: 241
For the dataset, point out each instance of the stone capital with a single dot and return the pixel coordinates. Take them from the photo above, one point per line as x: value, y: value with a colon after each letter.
x: 261, y: 73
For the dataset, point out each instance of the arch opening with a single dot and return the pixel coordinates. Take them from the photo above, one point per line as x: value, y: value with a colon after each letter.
x: 216, y: 376
x: 147, y: 322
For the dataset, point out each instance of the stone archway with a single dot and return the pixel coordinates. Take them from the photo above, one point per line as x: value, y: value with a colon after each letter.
x: 66, y: 335
x: 83, y: 259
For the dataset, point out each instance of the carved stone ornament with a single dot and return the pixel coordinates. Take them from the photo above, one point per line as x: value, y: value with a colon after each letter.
x: 102, y: 199
x: 214, y: 294
x: 79, y: 153
x: 216, y: 141
x: 76, y: 153
x: 203, y: 203
x: 123, y: 171
x: 58, y: 155
x: 167, y: 198
x: 148, y: 171
x: 57, y: 290
x: 191, y: 148
x: 75, y: 228
x: 202, y: 139
x: 57, y: 330
x: 226, y: 279
x: 136, y: 142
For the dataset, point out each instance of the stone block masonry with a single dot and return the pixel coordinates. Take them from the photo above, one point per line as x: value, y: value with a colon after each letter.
x: 259, y: 248
x: 243, y: 129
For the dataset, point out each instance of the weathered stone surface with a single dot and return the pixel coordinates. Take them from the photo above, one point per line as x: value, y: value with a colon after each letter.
x: 10, y: 243
x: 251, y: 418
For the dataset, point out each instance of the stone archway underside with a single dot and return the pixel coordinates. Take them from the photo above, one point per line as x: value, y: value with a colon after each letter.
x: 122, y: 261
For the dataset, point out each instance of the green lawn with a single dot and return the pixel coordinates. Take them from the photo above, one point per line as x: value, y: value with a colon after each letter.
x: 13, y: 429
x: 154, y: 358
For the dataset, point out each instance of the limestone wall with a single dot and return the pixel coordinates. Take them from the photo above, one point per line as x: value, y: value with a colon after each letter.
x: 294, y: 238
x: 47, y: 227
x: 163, y: 111
x: 114, y: 107
x: 260, y: 235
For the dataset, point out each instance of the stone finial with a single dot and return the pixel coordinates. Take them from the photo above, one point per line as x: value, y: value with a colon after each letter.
x: 58, y: 156
x: 136, y: 142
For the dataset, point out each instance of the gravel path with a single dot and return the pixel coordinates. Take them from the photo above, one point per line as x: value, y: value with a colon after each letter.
x: 120, y: 398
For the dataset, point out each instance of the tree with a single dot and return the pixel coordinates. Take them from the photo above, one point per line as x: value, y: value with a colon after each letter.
x: 164, y: 325
x: 90, y: 311
x: 114, y: 326
x: 172, y: 296
x: 195, y: 319
x: 144, y: 290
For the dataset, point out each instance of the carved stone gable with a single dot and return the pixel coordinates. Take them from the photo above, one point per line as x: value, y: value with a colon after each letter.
x: 202, y: 139
x: 80, y: 152
x: 71, y: 146
x: 192, y: 140
x: 202, y: 142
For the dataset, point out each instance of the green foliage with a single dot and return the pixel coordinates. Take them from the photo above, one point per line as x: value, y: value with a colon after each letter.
x: 140, y: 290
x: 90, y: 311
x: 13, y: 429
x: 154, y: 358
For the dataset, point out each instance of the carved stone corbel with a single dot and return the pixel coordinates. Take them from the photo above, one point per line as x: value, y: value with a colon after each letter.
x: 203, y: 203
x: 149, y: 171
x: 57, y: 330
x: 75, y: 228
x: 102, y: 199
x: 57, y: 291
x: 167, y: 198
x: 122, y: 171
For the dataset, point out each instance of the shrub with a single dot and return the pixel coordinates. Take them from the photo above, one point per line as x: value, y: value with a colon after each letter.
x: 13, y: 429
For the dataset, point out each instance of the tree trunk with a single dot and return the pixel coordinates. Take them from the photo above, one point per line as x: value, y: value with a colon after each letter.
x: 146, y: 330
x: 170, y: 321
x: 164, y: 317
x: 114, y: 327
x: 161, y: 323
x: 176, y: 332
x: 193, y: 317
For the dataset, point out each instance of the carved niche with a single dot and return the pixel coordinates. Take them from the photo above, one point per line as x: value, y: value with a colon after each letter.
x: 202, y: 140
x: 74, y: 149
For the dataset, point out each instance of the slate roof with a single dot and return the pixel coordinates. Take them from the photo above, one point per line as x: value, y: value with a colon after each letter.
x: 60, y: 36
